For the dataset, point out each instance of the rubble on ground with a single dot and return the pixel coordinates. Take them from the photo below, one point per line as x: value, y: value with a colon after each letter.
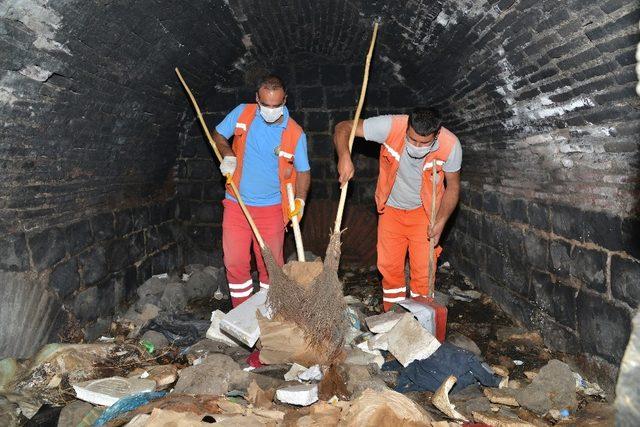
x: 179, y: 355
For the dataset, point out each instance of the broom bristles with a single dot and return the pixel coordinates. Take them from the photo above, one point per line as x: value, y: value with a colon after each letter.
x: 318, y: 309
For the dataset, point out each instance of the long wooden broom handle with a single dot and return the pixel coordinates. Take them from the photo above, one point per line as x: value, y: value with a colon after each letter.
x: 432, y: 246
x: 297, y: 234
x: 363, y: 91
x: 219, y: 156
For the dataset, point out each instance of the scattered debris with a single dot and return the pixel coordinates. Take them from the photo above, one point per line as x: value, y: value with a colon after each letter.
x: 376, y: 408
x: 214, y: 332
x: 357, y: 356
x: 216, y: 375
x: 498, y: 420
x: 464, y: 342
x: 409, y: 341
x: 258, y: 397
x: 333, y: 385
x: 441, y: 399
x: 501, y: 396
x: 107, y: 391
x: 588, y: 388
x: 460, y: 295
x: 242, y: 322
x: 285, y: 342
x: 553, y: 388
x: 302, y: 394
x: 175, y: 355
x: 428, y: 374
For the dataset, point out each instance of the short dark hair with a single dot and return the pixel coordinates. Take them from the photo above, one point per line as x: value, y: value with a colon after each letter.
x: 271, y: 82
x: 425, y: 121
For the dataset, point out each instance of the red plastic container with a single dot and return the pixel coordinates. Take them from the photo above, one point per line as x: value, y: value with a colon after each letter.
x: 440, y: 316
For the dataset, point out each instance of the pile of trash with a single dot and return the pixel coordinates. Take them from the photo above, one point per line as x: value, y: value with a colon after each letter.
x: 163, y: 365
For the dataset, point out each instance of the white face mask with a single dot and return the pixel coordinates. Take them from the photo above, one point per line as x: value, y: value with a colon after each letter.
x: 416, y: 152
x: 269, y: 114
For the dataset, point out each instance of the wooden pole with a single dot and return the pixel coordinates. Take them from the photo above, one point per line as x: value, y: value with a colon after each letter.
x: 432, y: 218
x: 236, y: 192
x: 297, y: 234
x: 363, y: 91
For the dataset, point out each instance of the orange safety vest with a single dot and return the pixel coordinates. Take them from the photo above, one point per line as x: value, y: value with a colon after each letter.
x: 390, y: 161
x: 285, y: 152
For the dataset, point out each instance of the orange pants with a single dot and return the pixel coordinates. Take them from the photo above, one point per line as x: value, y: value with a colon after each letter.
x: 400, y: 230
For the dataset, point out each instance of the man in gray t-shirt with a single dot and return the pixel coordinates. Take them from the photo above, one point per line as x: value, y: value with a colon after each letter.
x: 411, y: 146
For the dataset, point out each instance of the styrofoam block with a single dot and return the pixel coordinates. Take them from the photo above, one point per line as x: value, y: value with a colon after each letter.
x: 214, y: 332
x: 107, y: 391
x: 383, y: 322
x: 409, y: 341
x: 302, y: 395
x: 312, y: 374
x: 242, y: 323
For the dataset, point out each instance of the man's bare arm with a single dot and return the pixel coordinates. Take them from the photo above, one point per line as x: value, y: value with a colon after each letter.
x: 223, y: 144
x: 447, y: 205
x: 341, y: 141
x: 303, y: 182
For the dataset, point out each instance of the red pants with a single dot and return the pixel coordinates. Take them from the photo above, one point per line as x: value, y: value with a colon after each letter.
x: 398, y: 231
x: 237, y: 239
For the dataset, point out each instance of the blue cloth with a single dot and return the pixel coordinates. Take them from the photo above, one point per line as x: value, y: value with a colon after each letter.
x: 448, y: 359
x: 126, y: 404
x: 259, y: 184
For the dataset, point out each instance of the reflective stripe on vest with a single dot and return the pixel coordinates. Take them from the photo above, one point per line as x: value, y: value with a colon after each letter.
x: 390, y: 161
x: 285, y: 152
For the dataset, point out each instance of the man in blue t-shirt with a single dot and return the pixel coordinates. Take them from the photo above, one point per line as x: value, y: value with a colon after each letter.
x: 267, y: 141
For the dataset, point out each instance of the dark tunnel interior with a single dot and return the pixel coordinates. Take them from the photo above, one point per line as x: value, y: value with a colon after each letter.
x: 107, y: 178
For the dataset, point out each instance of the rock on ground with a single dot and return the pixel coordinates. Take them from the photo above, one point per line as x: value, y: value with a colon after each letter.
x: 203, y: 283
x: 553, y: 388
x: 464, y: 342
x: 217, y: 375
x: 174, y: 297
x: 156, y: 338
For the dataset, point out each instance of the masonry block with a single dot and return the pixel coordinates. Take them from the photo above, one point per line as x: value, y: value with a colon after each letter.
x: 625, y: 280
x: 47, y: 247
x: 604, y: 328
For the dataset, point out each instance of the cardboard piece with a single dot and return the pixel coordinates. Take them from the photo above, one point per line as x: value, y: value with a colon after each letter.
x: 242, y: 322
x: 388, y: 408
x: 409, y: 341
x: 284, y: 342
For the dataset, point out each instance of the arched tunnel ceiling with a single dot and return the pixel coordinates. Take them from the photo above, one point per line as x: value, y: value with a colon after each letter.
x: 81, y: 76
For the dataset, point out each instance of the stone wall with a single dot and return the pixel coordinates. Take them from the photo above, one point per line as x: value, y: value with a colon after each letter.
x: 570, y: 273
x: 89, y: 268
